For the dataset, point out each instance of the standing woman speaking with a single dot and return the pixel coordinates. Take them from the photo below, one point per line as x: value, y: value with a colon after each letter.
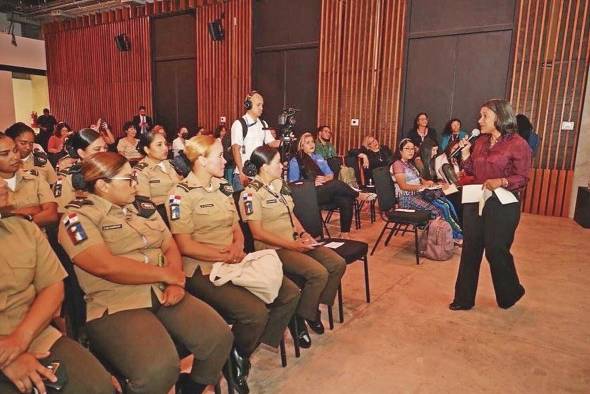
x: 500, y: 158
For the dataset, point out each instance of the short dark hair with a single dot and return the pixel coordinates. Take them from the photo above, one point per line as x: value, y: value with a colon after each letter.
x: 505, y: 121
x: 447, y: 129
x: 17, y: 129
x: 141, y: 107
x: 146, y: 139
x: 217, y: 133
x: 127, y: 125
x: 45, y: 110
x: 60, y: 126
x: 417, y: 116
x: 525, y: 127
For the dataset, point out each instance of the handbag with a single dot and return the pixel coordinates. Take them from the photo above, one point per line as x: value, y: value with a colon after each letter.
x: 260, y: 272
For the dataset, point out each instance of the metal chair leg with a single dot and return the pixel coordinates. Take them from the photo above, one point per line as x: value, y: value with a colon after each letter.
x: 416, y: 242
x: 379, y: 238
x: 283, y: 353
x: 295, y: 340
x: 340, y: 304
x: 330, y: 317
x: 393, y: 232
x: 367, y: 290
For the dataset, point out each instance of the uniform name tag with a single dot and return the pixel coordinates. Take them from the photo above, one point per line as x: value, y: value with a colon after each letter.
x: 271, y: 201
x: 207, y: 205
x: 154, y: 181
x: 112, y: 227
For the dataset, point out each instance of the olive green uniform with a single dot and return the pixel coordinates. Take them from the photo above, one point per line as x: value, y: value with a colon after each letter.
x: 208, y: 215
x: 27, y: 266
x: 42, y: 165
x: 127, y: 324
x: 31, y: 190
x: 320, y: 269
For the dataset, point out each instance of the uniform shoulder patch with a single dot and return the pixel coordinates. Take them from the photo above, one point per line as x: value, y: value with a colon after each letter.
x: 145, y: 207
x: 256, y: 184
x: 141, y: 166
x: 226, y: 189
x: 74, y: 228
x: 33, y: 172
x: 78, y: 203
x: 174, y: 201
x: 39, y: 159
x: 285, y: 189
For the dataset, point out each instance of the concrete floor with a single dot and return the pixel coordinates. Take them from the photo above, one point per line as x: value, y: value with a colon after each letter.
x: 407, y: 341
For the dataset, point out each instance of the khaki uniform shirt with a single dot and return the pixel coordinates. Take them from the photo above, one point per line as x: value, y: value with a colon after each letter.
x: 208, y: 214
x: 45, y: 170
x: 129, y: 149
x: 27, y: 266
x: 155, y: 180
x: 31, y: 190
x: 63, y: 190
x: 97, y: 221
x: 270, y: 205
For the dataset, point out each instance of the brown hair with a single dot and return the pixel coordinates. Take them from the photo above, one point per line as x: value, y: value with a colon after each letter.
x: 505, y: 120
x: 101, y: 165
x: 198, y: 146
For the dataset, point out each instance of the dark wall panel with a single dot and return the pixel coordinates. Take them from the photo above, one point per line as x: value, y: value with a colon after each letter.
x: 270, y: 70
x: 302, y: 69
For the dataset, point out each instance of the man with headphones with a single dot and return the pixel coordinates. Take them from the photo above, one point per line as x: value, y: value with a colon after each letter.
x: 248, y: 133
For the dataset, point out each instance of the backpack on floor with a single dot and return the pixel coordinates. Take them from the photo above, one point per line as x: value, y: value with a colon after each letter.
x: 436, y: 241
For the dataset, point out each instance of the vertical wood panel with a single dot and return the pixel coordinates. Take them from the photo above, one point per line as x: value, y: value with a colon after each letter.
x: 549, y: 74
x: 361, y: 48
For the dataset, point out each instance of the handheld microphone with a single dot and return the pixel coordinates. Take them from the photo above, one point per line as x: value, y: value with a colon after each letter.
x: 474, y: 134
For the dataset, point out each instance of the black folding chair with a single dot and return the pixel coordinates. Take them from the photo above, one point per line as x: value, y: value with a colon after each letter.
x: 395, y: 220
x: 308, y: 212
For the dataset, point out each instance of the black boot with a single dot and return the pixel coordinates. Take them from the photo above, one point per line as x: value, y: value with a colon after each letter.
x: 316, y: 325
x: 234, y: 372
x: 240, y: 361
x: 186, y: 385
x: 299, y: 332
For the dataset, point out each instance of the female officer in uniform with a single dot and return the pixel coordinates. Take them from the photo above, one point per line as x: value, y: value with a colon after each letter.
x: 28, y: 193
x: 155, y: 175
x: 204, y: 221
x: 79, y: 146
x: 129, y: 267
x: 24, y: 138
x: 267, y: 207
x: 32, y: 290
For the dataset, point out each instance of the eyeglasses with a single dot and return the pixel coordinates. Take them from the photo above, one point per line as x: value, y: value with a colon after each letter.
x: 409, y: 149
x: 131, y: 179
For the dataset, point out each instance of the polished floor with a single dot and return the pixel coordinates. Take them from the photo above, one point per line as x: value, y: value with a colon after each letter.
x: 407, y: 341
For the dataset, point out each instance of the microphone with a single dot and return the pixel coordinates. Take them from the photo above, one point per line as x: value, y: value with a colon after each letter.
x: 474, y: 134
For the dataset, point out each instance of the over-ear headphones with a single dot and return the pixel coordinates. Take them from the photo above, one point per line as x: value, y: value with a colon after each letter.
x: 248, y: 101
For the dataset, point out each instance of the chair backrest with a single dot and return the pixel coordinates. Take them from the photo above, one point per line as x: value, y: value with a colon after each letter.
x: 335, y: 163
x: 307, y: 209
x: 384, y: 188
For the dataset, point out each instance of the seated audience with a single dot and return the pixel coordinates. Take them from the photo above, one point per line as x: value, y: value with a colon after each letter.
x: 309, y: 165
x: 323, y: 146
x: 267, y: 207
x: 451, y: 135
x: 420, y: 131
x: 412, y: 190
x: 527, y: 132
x: 24, y: 137
x: 204, y: 221
x: 373, y: 155
x: 78, y: 147
x: 28, y: 193
x: 155, y: 176
x: 127, y: 146
x: 55, y: 146
x: 130, y: 269
x: 31, y: 290
x: 178, y: 143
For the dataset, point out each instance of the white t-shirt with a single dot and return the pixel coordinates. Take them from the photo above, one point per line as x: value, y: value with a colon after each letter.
x: 11, y: 183
x: 255, y: 137
x: 177, y: 146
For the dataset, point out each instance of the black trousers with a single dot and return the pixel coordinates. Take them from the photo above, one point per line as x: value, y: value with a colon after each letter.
x: 493, y: 232
x: 340, y: 194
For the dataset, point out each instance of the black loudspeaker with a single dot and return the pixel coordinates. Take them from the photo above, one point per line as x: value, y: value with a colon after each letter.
x: 122, y: 42
x: 216, y: 30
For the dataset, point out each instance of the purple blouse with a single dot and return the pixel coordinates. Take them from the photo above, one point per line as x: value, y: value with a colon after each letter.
x: 509, y: 158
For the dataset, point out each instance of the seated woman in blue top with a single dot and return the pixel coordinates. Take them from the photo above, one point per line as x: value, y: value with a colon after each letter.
x: 309, y: 165
x: 451, y: 134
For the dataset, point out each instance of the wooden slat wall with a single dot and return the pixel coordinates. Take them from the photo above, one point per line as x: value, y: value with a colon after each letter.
x: 88, y: 77
x: 548, y: 80
x: 224, y: 67
x: 361, y: 54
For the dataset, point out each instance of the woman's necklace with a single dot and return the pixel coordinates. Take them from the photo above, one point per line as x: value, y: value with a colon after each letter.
x: 493, y: 140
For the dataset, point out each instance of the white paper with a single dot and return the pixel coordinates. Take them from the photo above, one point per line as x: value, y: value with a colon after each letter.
x: 450, y: 190
x: 334, y: 245
x: 438, y: 163
x: 404, y: 210
x: 471, y: 193
x: 505, y: 196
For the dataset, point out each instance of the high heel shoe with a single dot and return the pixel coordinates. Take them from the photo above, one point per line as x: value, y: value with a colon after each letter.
x: 299, y: 332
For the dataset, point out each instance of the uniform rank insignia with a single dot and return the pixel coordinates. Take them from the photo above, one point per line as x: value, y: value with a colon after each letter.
x: 226, y: 189
x: 74, y: 228
x: 248, y: 207
x: 174, y: 201
x: 57, y: 188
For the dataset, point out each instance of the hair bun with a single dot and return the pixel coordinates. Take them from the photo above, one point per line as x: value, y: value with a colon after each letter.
x: 78, y: 181
x: 249, y: 169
